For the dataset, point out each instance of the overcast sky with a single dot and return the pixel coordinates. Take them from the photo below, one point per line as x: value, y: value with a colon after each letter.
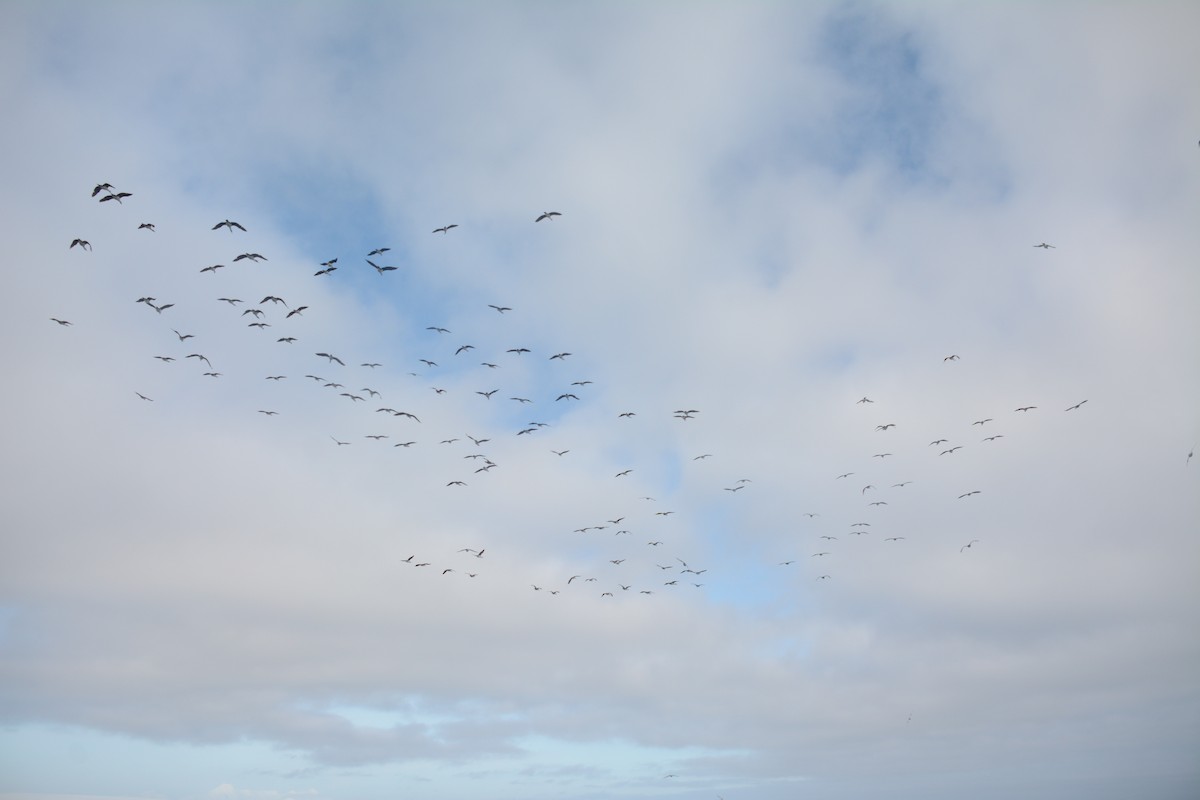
x: 852, y: 569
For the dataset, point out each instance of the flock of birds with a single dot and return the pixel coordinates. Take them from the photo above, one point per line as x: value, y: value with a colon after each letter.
x: 635, y: 538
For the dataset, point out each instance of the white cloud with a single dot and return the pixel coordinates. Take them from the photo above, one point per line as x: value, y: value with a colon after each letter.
x: 767, y: 214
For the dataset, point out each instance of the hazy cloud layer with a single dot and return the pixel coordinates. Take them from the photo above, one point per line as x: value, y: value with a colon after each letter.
x: 768, y: 214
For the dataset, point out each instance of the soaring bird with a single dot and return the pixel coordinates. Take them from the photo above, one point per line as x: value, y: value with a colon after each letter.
x: 213, y: 269
x: 1077, y: 405
x: 139, y: 394
x: 202, y: 358
x: 559, y: 356
x: 547, y: 215
x: 378, y: 268
x: 1026, y: 408
x: 967, y: 545
x: 865, y: 400
x: 252, y: 256
x: 62, y: 322
x: 1044, y: 246
x: 968, y: 494
x: 982, y: 421
x: 146, y: 226
x: 501, y: 309
x: 885, y: 427
x: 444, y: 228
x: 332, y: 358
x: 233, y: 301
x: 950, y: 358
x: 118, y: 196
x: 378, y: 251
x: 230, y: 224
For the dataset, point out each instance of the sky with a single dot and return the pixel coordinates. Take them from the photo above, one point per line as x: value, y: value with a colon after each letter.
x: 716, y: 484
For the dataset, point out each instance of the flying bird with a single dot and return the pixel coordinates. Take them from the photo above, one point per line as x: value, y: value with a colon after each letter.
x: 62, y: 322
x: 444, y: 228
x: 378, y: 268
x: 230, y: 224
x: 550, y: 215
x: 1077, y: 405
x: 500, y: 309
x: 118, y: 196
x: 1044, y: 246
x: 967, y: 545
x: 84, y: 244
x: 378, y: 251
x: 950, y: 358
x: 102, y: 187
x: 252, y: 256
x: 148, y: 226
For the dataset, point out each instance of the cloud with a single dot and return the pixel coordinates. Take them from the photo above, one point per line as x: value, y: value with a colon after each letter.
x: 766, y: 215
